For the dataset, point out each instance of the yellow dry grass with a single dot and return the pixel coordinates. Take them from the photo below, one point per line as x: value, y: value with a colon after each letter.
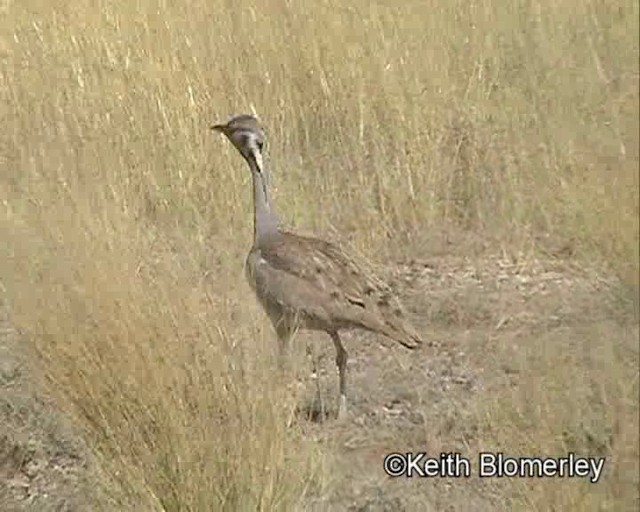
x: 124, y: 220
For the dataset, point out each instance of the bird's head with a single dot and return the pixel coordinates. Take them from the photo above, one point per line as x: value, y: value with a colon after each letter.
x: 247, y: 136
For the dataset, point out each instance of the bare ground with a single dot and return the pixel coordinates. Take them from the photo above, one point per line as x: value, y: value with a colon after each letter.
x: 43, y: 465
x: 496, y: 330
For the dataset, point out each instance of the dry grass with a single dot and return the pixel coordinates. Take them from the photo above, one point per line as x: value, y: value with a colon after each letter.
x: 126, y: 220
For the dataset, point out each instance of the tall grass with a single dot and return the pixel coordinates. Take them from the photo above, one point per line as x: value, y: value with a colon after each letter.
x: 125, y: 220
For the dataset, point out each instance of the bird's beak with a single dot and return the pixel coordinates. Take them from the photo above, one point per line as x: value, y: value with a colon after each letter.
x: 218, y: 128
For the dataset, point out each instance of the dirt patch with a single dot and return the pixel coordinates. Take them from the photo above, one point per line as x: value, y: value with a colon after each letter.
x: 504, y: 340
x: 43, y: 463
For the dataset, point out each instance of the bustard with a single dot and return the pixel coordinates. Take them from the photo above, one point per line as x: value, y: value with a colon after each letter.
x: 307, y: 283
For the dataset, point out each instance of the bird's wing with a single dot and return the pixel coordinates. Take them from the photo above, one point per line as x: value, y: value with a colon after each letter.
x: 322, y: 265
x: 319, y: 274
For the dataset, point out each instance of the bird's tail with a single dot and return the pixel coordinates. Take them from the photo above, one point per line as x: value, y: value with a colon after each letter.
x: 402, y: 332
x: 388, y: 319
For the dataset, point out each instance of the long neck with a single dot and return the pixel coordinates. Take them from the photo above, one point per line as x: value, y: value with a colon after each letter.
x: 265, y: 219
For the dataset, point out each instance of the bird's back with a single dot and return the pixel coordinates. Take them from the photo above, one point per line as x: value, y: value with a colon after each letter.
x: 319, y: 284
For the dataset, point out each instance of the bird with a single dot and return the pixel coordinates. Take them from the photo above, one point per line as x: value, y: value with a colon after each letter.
x: 305, y: 283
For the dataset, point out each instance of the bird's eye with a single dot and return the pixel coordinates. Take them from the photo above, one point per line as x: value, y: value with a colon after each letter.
x: 260, y: 145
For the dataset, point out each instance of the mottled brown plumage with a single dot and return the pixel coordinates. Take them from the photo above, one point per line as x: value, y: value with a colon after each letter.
x: 307, y: 283
x: 325, y: 287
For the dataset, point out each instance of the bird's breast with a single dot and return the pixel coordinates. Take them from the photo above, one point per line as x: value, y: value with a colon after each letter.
x: 254, y: 263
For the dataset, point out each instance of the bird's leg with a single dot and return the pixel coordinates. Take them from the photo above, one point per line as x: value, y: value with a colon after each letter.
x: 341, y: 363
x: 283, y: 345
x: 312, y: 352
x: 284, y: 342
